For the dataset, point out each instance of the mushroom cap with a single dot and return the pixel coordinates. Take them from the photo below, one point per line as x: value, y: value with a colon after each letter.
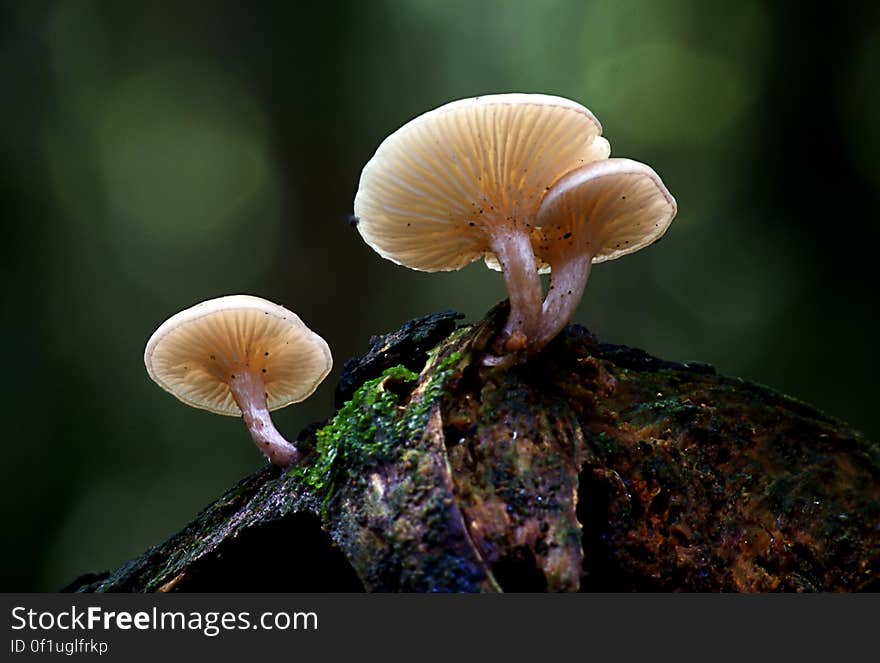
x: 195, y: 353
x: 612, y: 208
x: 438, y: 186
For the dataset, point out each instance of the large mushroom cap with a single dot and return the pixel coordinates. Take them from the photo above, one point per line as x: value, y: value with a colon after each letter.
x: 437, y: 186
x: 195, y: 353
x: 610, y: 208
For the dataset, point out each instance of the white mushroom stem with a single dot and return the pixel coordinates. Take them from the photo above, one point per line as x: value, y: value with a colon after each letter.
x: 567, y: 282
x: 249, y: 393
x: 517, y: 260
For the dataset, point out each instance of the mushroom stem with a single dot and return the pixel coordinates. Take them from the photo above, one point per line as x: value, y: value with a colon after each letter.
x: 249, y: 393
x: 567, y: 282
x: 517, y: 260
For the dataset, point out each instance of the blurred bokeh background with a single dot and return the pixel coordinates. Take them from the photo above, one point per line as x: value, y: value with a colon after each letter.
x: 155, y: 154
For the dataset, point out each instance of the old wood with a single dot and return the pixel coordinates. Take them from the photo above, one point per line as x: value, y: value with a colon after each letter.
x: 589, y: 467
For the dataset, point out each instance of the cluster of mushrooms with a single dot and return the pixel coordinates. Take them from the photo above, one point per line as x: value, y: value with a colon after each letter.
x: 523, y: 181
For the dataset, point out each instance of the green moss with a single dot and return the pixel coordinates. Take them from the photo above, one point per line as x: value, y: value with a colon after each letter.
x: 354, y: 431
x: 604, y: 445
x: 440, y: 373
x: 372, y: 427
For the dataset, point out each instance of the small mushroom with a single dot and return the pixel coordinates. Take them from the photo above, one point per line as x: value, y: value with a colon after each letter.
x: 464, y: 181
x: 240, y: 355
x: 599, y: 212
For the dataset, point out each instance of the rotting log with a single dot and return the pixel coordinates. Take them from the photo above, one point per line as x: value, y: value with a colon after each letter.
x: 589, y: 467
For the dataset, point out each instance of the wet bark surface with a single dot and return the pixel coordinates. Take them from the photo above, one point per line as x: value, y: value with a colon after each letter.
x: 591, y: 467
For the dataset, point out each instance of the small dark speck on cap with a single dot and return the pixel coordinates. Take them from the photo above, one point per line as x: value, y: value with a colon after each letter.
x: 352, y: 220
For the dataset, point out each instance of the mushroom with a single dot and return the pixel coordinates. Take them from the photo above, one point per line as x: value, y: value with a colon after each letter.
x: 240, y: 355
x: 599, y: 212
x: 464, y: 181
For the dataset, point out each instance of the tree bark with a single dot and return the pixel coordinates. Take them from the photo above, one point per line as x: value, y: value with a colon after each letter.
x: 589, y: 467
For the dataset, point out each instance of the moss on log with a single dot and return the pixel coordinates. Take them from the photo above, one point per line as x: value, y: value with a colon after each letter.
x: 589, y: 467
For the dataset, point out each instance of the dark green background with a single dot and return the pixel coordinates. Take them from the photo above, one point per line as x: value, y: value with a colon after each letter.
x: 153, y: 155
